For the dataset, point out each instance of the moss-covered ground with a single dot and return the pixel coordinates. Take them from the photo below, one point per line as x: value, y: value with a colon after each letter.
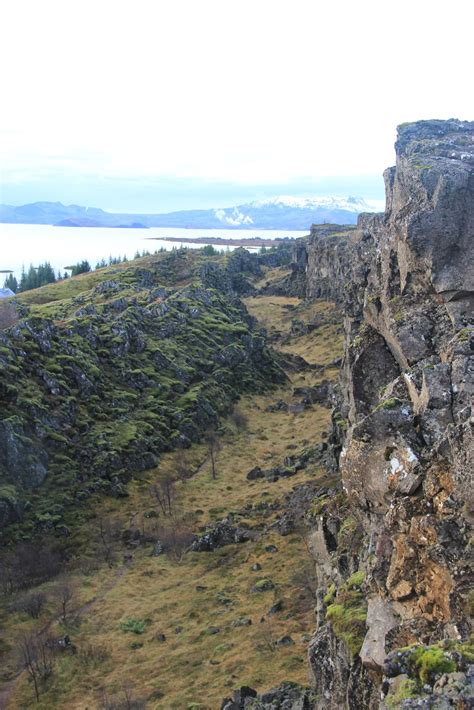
x: 106, y: 371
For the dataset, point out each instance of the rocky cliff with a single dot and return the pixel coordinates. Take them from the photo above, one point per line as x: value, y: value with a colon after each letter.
x: 405, y: 281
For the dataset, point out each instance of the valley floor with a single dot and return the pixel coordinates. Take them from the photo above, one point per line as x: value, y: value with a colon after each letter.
x: 181, y: 633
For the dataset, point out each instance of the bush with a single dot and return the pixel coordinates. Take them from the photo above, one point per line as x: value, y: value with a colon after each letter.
x: 28, y: 565
x: 31, y: 604
x: 175, y: 538
x: 92, y: 655
x: 134, y: 626
x: 239, y: 419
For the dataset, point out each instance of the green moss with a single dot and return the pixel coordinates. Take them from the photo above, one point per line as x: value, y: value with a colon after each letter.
x: 330, y: 594
x: 406, y: 689
x: 421, y: 166
x: 356, y: 580
x: 464, y: 335
x: 431, y: 661
x: 390, y: 403
x: 466, y: 649
x: 8, y: 493
x: 264, y: 585
x: 55, y: 436
x: 348, y: 616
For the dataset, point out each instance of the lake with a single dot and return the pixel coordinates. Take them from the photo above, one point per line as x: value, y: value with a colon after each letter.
x: 25, y: 244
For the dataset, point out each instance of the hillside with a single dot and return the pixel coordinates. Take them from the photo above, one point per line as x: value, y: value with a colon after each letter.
x: 104, y: 372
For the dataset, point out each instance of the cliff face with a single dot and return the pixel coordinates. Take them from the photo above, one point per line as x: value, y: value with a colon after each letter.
x: 405, y: 281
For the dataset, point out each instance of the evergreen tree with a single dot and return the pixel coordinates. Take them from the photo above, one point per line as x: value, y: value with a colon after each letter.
x: 82, y: 267
x: 11, y: 283
x: 36, y: 276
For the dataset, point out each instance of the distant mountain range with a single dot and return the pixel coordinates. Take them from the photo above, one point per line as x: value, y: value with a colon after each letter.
x: 275, y: 213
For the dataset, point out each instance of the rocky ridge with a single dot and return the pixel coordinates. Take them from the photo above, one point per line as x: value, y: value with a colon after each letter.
x: 392, y: 556
x: 405, y: 280
x: 98, y: 385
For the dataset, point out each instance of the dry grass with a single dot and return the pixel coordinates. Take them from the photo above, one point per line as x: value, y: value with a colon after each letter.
x: 207, y: 589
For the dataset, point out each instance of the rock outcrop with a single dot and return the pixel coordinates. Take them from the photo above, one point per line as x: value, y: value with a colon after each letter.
x: 95, y: 386
x: 405, y: 281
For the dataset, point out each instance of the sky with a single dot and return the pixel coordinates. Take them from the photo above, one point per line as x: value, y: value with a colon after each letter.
x: 155, y: 105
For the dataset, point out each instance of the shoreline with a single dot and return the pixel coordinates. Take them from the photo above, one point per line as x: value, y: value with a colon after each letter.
x: 222, y: 241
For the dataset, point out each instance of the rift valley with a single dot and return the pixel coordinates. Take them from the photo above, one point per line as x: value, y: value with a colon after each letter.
x: 242, y: 481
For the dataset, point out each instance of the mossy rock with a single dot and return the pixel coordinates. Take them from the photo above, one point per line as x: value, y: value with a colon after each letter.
x: 263, y: 585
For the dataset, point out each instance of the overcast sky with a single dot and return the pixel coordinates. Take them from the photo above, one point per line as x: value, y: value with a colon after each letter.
x: 164, y: 104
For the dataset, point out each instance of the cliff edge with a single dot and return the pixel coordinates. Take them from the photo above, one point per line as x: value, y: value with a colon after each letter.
x: 405, y: 280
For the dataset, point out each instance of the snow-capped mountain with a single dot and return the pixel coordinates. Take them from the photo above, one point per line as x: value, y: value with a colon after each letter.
x: 351, y: 204
x: 287, y: 212
x: 295, y: 213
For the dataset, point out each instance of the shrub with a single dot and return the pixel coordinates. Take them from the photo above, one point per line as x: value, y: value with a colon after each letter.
x: 134, y: 626
x: 27, y: 565
x: 175, y: 538
x: 92, y: 655
x: 31, y: 604
x: 239, y: 419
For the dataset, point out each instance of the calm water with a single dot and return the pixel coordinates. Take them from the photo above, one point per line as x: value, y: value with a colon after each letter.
x: 25, y: 244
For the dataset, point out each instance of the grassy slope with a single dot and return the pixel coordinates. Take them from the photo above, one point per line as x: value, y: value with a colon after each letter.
x: 194, y: 666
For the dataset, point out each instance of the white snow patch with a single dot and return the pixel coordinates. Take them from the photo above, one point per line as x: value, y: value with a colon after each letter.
x: 349, y: 204
x: 395, y: 465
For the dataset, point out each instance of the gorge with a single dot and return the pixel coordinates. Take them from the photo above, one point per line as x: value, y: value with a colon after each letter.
x: 347, y: 462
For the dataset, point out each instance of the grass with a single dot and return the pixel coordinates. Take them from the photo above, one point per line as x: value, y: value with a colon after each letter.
x: 194, y: 603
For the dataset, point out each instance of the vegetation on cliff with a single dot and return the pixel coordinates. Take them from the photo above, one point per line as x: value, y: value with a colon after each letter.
x: 103, y: 373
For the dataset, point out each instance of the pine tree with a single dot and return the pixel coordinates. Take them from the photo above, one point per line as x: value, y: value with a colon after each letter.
x: 11, y: 283
x: 82, y: 267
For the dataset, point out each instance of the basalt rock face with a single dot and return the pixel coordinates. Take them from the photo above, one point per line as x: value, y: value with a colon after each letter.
x: 405, y: 281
